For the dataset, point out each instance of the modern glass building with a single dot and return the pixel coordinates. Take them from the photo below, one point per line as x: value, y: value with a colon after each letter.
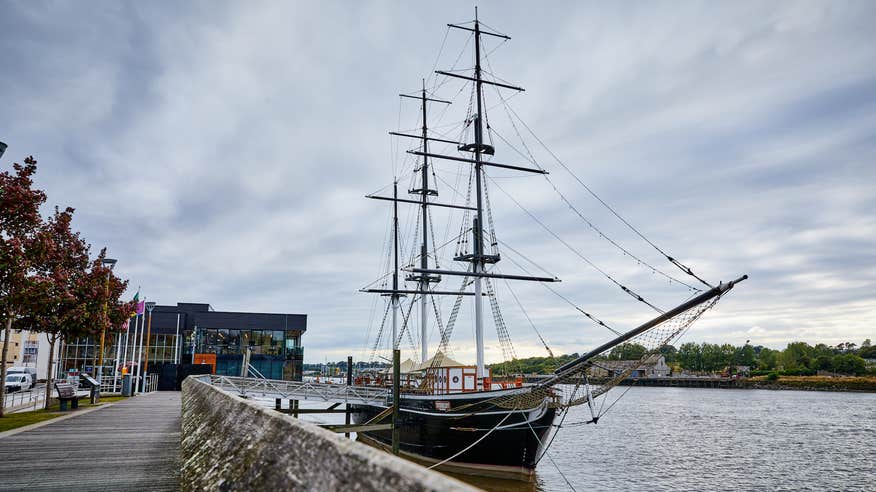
x: 183, y: 333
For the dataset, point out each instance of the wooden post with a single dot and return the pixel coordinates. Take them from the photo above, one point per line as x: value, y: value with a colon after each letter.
x: 349, y: 383
x: 396, y: 375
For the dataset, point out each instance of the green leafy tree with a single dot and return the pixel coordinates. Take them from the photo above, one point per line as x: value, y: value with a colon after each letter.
x: 670, y: 353
x: 627, y: 351
x: 767, y: 359
x: 745, y: 356
x: 690, y: 356
x: 823, y: 362
x: 849, y: 364
x: 797, y: 355
x: 867, y: 351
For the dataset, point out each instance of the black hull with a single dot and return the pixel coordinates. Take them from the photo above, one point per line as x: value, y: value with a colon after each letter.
x: 430, y: 436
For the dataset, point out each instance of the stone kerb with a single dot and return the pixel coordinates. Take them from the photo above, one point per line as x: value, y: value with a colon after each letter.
x: 228, y: 443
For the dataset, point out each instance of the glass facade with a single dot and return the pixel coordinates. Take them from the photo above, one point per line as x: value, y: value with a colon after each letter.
x: 179, y: 333
x: 274, y: 352
x: 81, y: 353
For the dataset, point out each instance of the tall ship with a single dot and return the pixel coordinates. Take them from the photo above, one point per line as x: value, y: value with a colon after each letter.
x: 465, y: 418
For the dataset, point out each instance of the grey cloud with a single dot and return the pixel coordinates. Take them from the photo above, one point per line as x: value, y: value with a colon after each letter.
x: 221, y: 151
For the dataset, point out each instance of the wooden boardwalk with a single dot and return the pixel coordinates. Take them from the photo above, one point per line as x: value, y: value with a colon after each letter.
x: 131, y: 445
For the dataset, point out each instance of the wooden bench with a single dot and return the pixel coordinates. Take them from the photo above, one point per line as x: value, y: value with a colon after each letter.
x: 67, y: 393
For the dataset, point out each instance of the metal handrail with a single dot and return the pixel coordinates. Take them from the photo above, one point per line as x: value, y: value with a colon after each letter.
x: 301, y: 390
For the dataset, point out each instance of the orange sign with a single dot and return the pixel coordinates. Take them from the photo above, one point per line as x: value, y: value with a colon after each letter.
x: 207, y: 359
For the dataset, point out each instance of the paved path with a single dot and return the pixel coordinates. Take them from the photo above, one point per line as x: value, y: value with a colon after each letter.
x: 131, y: 445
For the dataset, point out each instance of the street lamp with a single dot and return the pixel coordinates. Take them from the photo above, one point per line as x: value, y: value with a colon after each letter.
x: 149, y: 307
x: 2, y: 148
x: 108, y: 263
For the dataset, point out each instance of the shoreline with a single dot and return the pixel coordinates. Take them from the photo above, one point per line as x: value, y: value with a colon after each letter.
x: 800, y: 383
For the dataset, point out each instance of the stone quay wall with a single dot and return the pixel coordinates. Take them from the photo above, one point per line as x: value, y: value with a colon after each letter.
x: 229, y: 443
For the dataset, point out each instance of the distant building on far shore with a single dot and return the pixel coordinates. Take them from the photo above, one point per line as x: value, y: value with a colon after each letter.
x: 653, y: 367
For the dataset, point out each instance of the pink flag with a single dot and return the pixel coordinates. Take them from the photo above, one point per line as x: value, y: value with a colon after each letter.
x: 141, y: 307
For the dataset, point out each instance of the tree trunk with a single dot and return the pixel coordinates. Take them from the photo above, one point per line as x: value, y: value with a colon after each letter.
x: 52, y: 340
x: 6, y: 333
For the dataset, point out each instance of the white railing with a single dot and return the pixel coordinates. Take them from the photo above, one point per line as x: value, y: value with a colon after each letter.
x: 22, y: 400
x: 151, y: 383
x: 301, y: 390
x: 109, y: 387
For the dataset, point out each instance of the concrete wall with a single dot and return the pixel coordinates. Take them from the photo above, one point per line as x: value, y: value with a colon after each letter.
x: 229, y: 443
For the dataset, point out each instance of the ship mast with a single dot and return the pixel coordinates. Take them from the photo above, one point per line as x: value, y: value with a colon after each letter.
x: 477, y: 229
x: 395, y: 292
x: 424, y: 275
x: 425, y: 278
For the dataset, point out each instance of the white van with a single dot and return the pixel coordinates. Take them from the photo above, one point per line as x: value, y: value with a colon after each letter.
x: 17, y: 382
x: 25, y: 370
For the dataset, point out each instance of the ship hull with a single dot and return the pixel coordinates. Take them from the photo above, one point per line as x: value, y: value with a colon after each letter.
x: 435, y: 428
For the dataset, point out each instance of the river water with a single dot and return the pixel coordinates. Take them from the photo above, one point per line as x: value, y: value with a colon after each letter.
x: 713, y: 439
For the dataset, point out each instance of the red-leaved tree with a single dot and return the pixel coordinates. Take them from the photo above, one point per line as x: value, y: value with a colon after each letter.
x: 82, y: 296
x: 21, y: 250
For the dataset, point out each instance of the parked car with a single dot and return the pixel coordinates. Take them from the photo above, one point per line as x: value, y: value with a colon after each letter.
x: 17, y: 382
x: 25, y: 370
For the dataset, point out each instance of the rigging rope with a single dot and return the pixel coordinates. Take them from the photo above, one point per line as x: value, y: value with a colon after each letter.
x: 501, y: 329
x: 379, y: 334
x: 520, y: 305
x: 578, y: 308
x: 531, y: 158
x: 675, y: 262
x: 577, y: 253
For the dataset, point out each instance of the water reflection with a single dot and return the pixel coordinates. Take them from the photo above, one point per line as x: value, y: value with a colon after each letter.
x: 499, y: 485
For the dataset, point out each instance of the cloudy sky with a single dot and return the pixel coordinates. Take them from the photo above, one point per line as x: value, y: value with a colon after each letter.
x: 221, y: 151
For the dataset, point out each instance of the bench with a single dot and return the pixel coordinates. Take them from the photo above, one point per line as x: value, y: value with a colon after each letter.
x: 67, y: 393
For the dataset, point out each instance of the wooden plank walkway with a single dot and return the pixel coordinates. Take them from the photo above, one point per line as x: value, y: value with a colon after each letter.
x: 131, y: 445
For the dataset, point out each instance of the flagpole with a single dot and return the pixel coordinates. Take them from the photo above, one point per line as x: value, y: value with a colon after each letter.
x: 176, y: 342
x: 127, y: 336
x: 134, y: 355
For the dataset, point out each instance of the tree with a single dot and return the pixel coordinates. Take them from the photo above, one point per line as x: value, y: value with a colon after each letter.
x: 690, y: 356
x: 21, y: 251
x: 849, y: 364
x: 868, y: 352
x: 669, y: 352
x: 767, y: 358
x: 797, y: 355
x: 745, y: 356
x: 627, y: 351
x: 823, y: 363
x: 60, y: 308
x: 84, y: 294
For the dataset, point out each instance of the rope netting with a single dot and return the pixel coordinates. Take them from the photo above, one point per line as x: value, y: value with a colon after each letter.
x: 564, y: 389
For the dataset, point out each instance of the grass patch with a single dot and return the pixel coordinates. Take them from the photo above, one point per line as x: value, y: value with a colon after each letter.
x: 15, y: 420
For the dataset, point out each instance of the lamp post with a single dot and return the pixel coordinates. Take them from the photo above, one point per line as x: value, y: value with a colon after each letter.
x: 108, y: 263
x: 2, y: 148
x: 149, y: 307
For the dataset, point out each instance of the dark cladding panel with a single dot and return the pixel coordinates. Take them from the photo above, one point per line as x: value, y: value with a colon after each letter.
x: 165, y: 322
x: 250, y: 321
x: 193, y: 307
